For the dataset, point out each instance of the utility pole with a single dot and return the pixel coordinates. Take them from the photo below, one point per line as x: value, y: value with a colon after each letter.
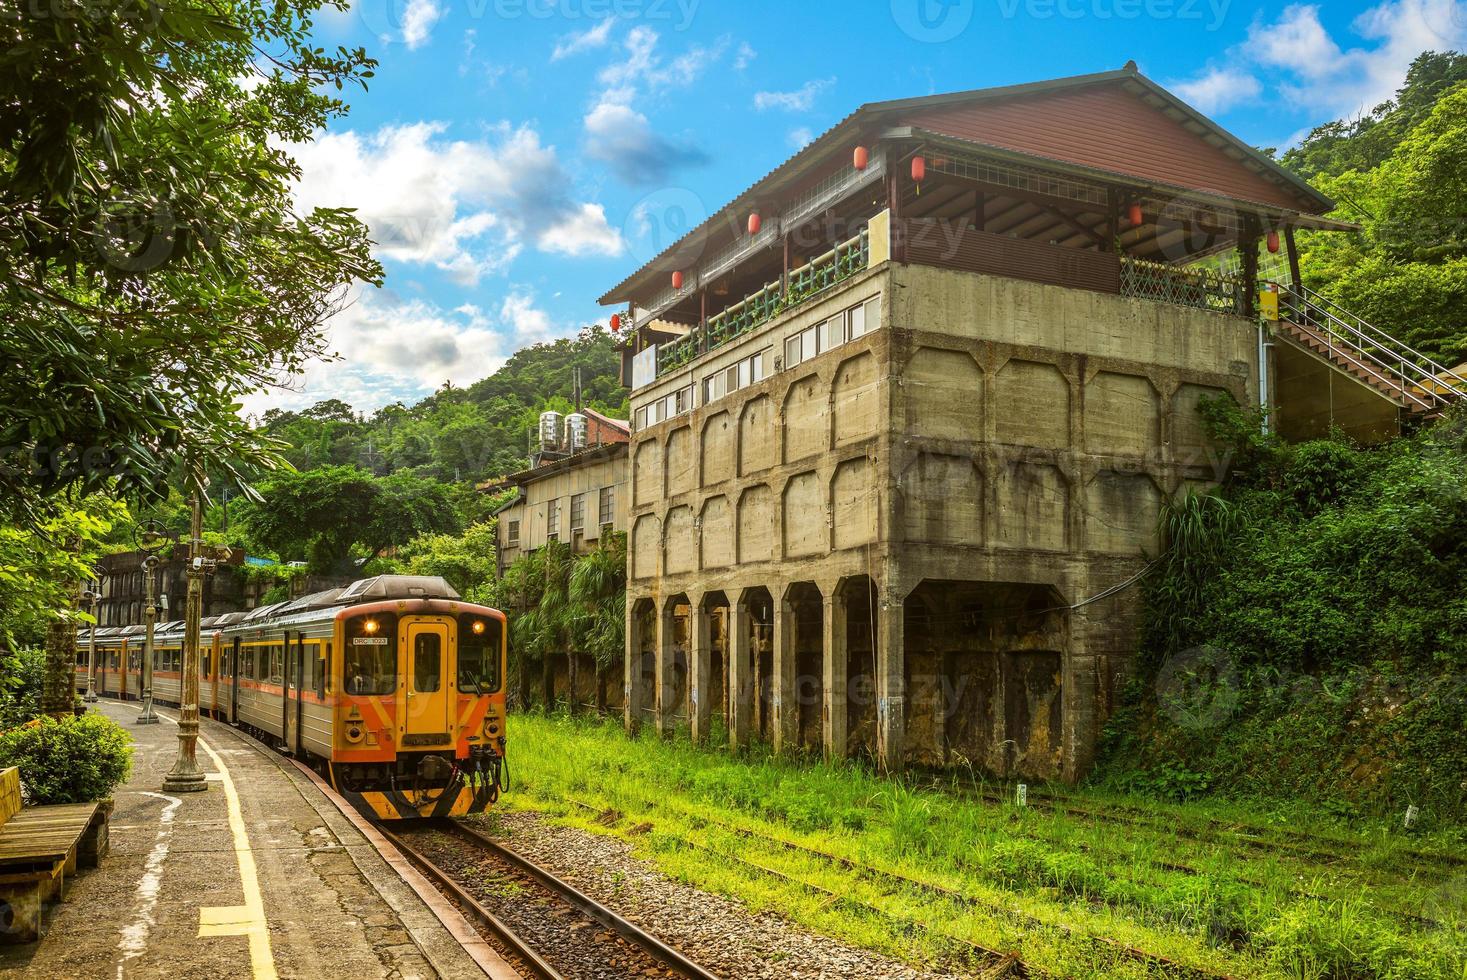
x: 90, y: 598
x: 186, y: 776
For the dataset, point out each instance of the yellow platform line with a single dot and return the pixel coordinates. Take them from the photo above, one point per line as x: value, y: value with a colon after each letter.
x: 247, y: 919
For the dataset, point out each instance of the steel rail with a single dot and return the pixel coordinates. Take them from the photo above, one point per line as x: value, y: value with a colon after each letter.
x: 511, y: 939
x: 628, y: 930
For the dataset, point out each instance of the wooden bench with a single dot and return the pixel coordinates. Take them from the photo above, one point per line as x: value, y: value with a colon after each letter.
x: 39, y: 847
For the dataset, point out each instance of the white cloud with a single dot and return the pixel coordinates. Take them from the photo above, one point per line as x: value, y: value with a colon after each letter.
x: 800, y: 137
x: 465, y: 207
x: 620, y: 135
x: 395, y: 349
x: 800, y: 100
x: 418, y: 20
x: 1219, y: 89
x: 744, y: 57
x: 586, y: 40
x: 1337, y: 79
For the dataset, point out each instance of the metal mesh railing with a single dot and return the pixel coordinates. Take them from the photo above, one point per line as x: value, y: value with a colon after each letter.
x: 1198, y: 288
x: 840, y: 263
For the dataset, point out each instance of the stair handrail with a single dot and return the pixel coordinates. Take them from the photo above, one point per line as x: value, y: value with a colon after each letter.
x: 1412, y: 381
x: 1422, y: 360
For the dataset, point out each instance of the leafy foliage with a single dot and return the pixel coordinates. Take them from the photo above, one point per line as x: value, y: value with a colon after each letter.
x: 322, y: 515
x: 1400, y: 173
x: 459, y: 434
x: 467, y: 560
x: 152, y: 265
x: 71, y: 760
x: 40, y: 567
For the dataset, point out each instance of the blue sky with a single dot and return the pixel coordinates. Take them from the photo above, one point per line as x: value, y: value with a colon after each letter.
x: 514, y: 158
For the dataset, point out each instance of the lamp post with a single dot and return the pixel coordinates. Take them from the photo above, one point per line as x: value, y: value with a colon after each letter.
x: 150, y: 537
x: 150, y: 619
x: 186, y: 776
x: 90, y: 598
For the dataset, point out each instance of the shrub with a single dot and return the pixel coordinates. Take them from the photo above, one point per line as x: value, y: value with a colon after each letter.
x: 1321, y: 473
x: 22, y: 675
x: 74, y: 760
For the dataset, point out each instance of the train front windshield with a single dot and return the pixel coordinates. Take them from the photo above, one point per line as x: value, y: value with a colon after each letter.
x: 480, y: 640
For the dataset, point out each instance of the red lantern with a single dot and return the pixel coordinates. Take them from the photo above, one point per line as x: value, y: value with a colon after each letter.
x: 919, y: 168
x: 860, y: 158
x: 1273, y: 241
x: 677, y: 279
x: 615, y: 322
x: 754, y: 223
x: 1137, y: 218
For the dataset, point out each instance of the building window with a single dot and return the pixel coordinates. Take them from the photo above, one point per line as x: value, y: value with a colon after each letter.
x: 578, y: 513
x: 607, y: 506
x: 552, y: 520
x: 512, y: 534
x: 829, y: 334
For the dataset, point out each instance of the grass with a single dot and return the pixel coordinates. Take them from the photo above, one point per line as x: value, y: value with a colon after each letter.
x: 1090, y: 885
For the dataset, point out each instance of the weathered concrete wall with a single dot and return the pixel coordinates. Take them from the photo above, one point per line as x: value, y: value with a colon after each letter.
x: 588, y: 479
x: 990, y: 438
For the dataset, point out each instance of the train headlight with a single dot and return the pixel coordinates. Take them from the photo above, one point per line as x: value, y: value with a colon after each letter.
x: 478, y: 626
x: 354, y: 733
x: 491, y: 726
x: 370, y: 627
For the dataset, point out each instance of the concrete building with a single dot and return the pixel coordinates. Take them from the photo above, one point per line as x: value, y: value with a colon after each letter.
x: 905, y: 412
x: 572, y: 497
x: 123, y: 591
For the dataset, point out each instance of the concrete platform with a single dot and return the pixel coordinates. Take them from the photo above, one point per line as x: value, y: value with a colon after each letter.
x: 259, y: 876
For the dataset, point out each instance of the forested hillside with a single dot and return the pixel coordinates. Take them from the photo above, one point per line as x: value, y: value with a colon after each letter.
x: 1400, y: 172
x: 458, y: 434
x: 1306, y: 624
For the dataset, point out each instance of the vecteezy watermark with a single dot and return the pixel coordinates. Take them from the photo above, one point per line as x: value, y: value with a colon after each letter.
x: 932, y: 21
x: 935, y: 21
x: 661, y: 218
x: 1198, y: 687
x: 403, y: 19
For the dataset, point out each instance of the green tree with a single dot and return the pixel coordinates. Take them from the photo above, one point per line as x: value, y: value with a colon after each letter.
x: 152, y: 263
x: 466, y: 560
x: 324, y: 515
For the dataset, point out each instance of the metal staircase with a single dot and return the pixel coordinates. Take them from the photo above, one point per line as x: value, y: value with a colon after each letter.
x: 1418, y: 385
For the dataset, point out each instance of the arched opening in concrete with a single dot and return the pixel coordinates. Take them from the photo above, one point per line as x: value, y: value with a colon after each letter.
x: 714, y: 720
x: 859, y: 595
x: 676, y: 642
x: 642, y: 650
x: 807, y: 639
x: 984, y: 664
x: 759, y: 668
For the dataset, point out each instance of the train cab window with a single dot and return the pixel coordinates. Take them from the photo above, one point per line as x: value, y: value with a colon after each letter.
x: 479, y: 642
x: 369, y: 659
x: 427, y: 663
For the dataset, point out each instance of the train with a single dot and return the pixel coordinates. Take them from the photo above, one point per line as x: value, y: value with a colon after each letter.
x: 393, y: 688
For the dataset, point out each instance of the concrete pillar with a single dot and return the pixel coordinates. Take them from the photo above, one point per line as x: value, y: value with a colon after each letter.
x: 834, y: 681
x: 784, y: 702
x: 632, y: 669
x: 700, y: 638
x: 666, y: 690
x: 891, y: 719
x: 740, y: 674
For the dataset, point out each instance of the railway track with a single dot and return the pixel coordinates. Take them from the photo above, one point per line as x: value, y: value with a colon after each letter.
x: 545, y: 926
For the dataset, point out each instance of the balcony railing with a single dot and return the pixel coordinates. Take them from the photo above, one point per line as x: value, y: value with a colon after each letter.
x: 1199, y: 288
x: 809, y: 280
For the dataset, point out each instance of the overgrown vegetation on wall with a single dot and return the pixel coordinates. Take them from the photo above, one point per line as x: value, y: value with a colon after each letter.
x: 558, y: 603
x: 1306, y: 629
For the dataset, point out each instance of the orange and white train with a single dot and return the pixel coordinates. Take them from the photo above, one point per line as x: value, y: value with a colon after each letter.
x: 393, y: 687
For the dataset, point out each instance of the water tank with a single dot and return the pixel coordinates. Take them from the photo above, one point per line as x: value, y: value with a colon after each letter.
x: 575, y: 432
x: 550, y: 432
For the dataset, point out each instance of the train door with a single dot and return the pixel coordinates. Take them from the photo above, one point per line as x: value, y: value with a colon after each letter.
x: 428, y: 702
x: 300, y: 693
x: 287, y: 683
x: 234, y: 681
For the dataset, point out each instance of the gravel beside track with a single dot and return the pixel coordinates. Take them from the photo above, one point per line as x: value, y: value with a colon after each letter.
x: 576, y: 946
x: 718, y: 932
